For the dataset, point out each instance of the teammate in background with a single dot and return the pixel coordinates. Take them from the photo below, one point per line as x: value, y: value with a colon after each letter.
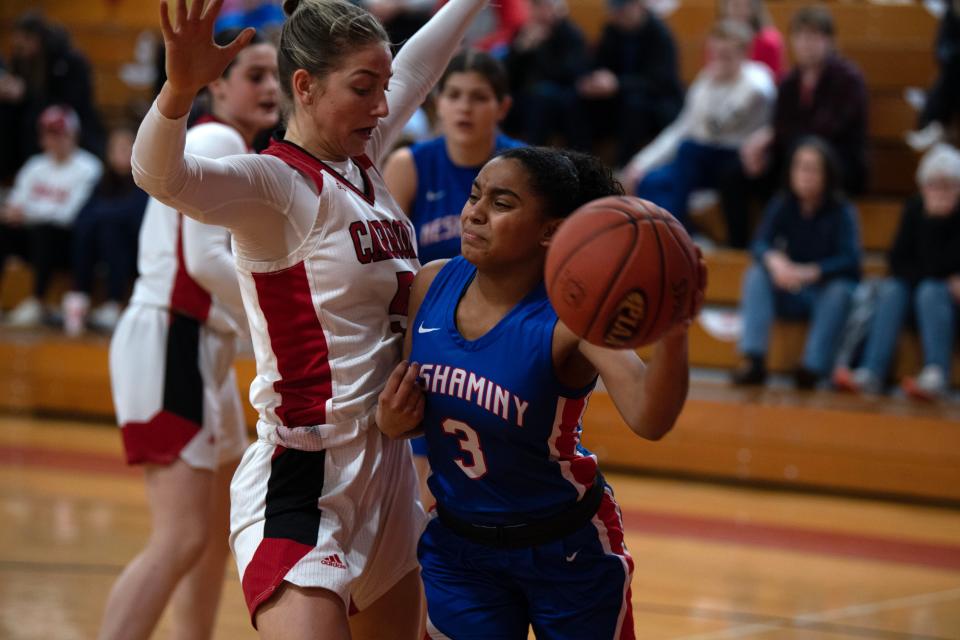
x: 431, y: 180
x: 171, y: 366
x: 324, y: 515
x: 527, y: 531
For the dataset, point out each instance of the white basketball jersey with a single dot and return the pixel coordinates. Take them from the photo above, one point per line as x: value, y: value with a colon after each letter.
x: 328, y: 320
x: 164, y: 280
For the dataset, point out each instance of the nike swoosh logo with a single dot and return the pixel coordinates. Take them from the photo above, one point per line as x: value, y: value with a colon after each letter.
x: 422, y: 329
x: 572, y: 556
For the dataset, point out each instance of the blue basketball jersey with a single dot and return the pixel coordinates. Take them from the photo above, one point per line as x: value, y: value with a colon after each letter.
x: 442, y: 190
x: 503, y: 434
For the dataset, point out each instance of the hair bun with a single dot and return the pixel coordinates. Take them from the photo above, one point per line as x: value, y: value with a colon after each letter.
x: 289, y: 6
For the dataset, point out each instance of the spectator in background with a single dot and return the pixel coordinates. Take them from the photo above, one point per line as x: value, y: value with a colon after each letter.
x: 545, y: 61
x: 106, y: 230
x: 825, y: 96
x: 266, y: 16
x: 729, y: 100
x: 495, y: 26
x: 806, y: 264
x: 767, y: 43
x: 942, y: 105
x: 47, y: 195
x: 925, y: 276
x: 43, y: 70
x: 401, y: 18
x: 634, y: 90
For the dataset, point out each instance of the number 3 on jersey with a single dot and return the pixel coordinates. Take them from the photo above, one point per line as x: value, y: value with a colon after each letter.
x: 401, y: 301
x: 470, y: 444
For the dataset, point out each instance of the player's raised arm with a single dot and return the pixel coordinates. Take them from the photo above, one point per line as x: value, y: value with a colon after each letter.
x: 419, y: 66
x: 209, y: 190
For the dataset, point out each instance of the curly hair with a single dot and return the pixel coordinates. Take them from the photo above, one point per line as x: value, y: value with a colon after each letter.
x: 564, y: 180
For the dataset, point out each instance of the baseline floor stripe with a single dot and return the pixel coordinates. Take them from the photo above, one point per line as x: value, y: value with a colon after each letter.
x: 636, y: 521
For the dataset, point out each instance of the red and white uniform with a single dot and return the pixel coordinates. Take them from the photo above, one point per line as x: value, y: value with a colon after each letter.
x: 171, y: 356
x: 325, y: 258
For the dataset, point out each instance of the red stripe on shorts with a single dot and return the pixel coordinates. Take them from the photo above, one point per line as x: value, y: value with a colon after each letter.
x: 299, y: 344
x: 609, y: 515
x: 272, y: 561
x: 159, y: 440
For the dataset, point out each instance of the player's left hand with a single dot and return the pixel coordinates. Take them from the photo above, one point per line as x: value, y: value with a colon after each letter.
x: 401, y: 403
x: 699, y: 295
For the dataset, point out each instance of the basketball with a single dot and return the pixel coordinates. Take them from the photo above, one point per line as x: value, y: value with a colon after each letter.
x: 621, y: 271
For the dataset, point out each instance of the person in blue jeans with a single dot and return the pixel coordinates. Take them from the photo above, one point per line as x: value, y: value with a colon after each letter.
x: 806, y: 265
x: 925, y: 279
x: 106, y: 230
x: 731, y: 99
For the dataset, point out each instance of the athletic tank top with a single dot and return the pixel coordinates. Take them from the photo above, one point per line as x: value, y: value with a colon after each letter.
x: 442, y: 190
x: 327, y: 321
x: 503, y: 434
x: 163, y: 280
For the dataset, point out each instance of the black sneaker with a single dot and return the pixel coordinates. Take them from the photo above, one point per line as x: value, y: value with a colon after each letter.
x: 751, y: 372
x: 804, y: 379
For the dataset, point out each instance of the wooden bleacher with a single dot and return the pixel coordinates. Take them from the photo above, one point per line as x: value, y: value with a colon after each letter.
x: 801, y: 439
x: 892, y: 44
x: 816, y: 440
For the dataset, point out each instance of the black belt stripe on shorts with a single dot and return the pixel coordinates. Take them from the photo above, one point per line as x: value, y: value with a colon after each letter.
x: 529, y: 534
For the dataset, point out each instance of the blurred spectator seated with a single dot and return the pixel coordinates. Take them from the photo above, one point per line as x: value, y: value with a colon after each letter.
x: 942, y: 104
x: 924, y: 283
x: 766, y: 46
x: 266, y: 16
x: 401, y: 18
x: 47, y: 195
x: 43, y: 70
x: 824, y: 96
x: 545, y: 62
x: 495, y: 26
x: 634, y: 90
x: 806, y: 265
x: 106, y: 231
x: 729, y: 100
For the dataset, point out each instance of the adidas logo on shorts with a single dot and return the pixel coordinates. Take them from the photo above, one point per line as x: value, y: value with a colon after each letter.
x: 333, y: 561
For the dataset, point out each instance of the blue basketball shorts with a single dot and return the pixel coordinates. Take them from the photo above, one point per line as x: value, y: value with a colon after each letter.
x: 573, y: 588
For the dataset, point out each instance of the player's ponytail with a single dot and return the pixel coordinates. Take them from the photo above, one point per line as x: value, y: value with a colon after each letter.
x: 594, y: 179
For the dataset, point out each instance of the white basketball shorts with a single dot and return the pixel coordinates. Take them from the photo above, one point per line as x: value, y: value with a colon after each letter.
x: 345, y: 518
x: 174, y: 390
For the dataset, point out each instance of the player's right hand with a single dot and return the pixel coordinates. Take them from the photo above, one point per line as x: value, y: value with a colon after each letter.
x: 193, y: 59
x: 401, y: 403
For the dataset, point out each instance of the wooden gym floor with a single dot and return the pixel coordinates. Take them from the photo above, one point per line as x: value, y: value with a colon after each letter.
x: 713, y: 561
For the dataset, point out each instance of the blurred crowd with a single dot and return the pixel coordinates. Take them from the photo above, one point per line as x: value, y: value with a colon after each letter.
x: 781, y: 150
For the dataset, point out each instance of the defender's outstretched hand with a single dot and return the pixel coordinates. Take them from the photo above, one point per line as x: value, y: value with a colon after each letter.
x: 193, y: 59
x: 401, y: 403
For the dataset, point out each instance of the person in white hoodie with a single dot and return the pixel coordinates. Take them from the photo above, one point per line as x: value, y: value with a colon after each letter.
x: 731, y: 98
x: 48, y: 193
